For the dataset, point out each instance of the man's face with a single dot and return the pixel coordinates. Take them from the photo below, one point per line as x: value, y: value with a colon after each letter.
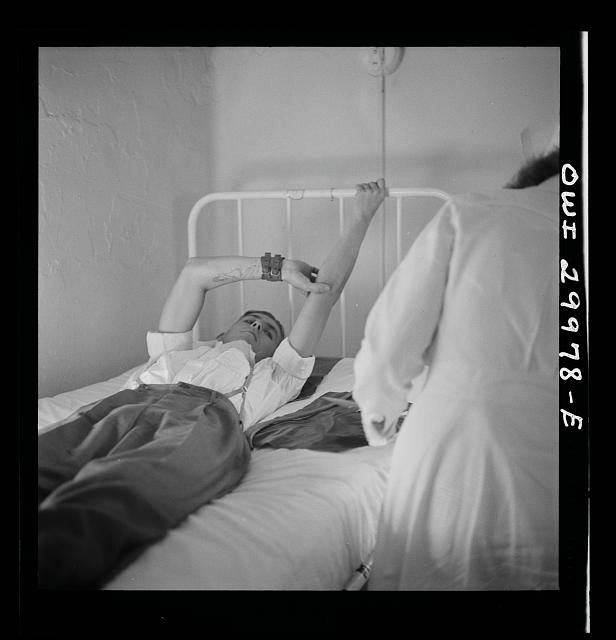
x: 258, y: 330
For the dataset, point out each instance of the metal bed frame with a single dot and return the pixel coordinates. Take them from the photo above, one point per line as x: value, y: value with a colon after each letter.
x: 293, y: 195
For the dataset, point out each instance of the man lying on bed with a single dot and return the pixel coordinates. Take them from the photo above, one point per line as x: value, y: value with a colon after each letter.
x: 118, y: 474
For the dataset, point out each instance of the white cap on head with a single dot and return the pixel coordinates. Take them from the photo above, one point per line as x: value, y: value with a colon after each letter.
x: 540, y: 138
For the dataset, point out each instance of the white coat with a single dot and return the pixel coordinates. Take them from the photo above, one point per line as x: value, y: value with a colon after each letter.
x: 472, y: 500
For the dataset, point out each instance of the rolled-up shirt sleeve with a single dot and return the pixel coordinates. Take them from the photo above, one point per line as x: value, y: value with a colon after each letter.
x: 276, y: 381
x: 291, y: 362
x: 158, y: 342
x: 400, y: 328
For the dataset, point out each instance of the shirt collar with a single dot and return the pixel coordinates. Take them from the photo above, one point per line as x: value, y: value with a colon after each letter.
x: 240, y: 345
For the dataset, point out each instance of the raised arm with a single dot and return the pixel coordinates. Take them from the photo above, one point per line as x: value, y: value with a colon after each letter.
x: 335, y: 271
x: 199, y: 275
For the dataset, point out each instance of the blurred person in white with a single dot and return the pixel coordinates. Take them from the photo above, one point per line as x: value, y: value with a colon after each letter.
x: 472, y: 499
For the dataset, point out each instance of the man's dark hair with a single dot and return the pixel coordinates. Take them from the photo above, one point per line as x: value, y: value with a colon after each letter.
x: 270, y: 315
x: 536, y: 171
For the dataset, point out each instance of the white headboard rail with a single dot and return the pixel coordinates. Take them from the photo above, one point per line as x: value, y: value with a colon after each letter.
x: 300, y: 194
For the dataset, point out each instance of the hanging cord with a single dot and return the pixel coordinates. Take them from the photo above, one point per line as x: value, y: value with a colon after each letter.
x: 383, y: 206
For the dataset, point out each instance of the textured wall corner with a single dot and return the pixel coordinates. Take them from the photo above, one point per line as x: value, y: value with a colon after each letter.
x: 124, y: 143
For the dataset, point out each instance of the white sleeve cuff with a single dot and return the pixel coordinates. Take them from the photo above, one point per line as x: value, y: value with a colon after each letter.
x: 159, y: 342
x: 376, y: 430
x: 288, y: 359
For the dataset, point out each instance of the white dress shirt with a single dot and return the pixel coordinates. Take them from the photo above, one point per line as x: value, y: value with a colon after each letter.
x: 224, y: 367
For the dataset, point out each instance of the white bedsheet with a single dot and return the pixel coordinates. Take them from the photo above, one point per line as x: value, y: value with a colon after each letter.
x: 56, y: 408
x: 300, y: 519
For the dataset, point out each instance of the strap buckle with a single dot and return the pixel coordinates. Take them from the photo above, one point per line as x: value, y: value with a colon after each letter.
x: 271, y: 267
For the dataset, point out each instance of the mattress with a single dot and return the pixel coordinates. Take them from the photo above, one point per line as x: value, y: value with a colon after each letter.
x: 300, y: 519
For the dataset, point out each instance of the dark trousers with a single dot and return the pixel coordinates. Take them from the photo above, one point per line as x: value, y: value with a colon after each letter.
x: 118, y: 474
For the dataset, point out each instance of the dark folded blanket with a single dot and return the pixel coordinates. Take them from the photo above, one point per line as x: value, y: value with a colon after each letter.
x: 322, y: 366
x: 321, y: 426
